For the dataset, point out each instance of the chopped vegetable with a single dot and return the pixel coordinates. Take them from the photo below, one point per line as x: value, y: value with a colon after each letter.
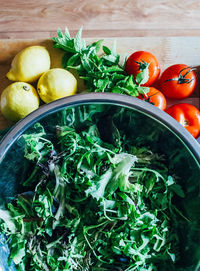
x: 93, y: 201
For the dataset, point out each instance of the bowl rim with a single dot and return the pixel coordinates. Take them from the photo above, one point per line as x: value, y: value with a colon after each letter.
x: 110, y: 98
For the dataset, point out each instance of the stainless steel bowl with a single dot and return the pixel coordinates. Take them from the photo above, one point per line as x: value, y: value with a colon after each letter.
x: 153, y: 127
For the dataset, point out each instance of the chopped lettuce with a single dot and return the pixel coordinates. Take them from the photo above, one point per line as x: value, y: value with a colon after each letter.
x: 91, y: 204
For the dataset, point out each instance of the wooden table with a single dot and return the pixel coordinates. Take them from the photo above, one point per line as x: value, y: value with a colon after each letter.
x: 105, y: 18
x: 169, y: 29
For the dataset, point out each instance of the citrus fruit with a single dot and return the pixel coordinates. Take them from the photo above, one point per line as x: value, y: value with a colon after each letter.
x: 29, y: 64
x: 56, y: 56
x: 18, y: 100
x: 55, y: 84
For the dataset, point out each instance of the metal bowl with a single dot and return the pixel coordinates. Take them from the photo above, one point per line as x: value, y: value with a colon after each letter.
x: 153, y: 127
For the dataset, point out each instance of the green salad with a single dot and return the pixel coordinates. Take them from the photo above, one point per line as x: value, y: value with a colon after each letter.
x: 93, y: 198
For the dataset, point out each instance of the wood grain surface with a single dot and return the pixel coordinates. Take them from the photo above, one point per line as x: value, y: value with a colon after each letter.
x: 105, y: 18
x: 168, y: 51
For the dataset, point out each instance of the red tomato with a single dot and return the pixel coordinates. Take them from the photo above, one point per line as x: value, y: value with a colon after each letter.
x: 138, y: 61
x: 155, y: 97
x: 178, y: 81
x: 187, y: 115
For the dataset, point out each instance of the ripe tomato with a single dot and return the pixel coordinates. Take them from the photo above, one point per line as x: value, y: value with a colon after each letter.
x: 139, y: 61
x: 178, y: 81
x: 155, y: 97
x: 187, y: 115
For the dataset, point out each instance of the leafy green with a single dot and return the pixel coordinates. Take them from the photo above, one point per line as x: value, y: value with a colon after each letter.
x: 101, y: 72
x: 143, y: 76
x: 92, y: 204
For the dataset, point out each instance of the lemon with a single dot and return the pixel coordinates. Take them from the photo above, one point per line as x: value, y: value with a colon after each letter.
x: 56, y: 56
x: 29, y: 64
x: 18, y: 100
x: 55, y: 84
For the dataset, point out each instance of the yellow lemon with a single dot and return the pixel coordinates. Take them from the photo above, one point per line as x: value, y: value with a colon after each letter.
x: 18, y: 100
x: 55, y: 84
x: 56, y: 56
x: 29, y: 64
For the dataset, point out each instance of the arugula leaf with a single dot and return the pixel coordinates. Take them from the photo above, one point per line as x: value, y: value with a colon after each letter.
x: 5, y: 216
x: 18, y: 251
x: 121, y: 173
x: 97, y: 190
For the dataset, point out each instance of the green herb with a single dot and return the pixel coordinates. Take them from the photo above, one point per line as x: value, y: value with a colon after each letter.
x: 102, y: 73
x: 143, y: 76
x: 90, y: 204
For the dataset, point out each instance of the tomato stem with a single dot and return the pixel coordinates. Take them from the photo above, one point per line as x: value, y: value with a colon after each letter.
x: 142, y: 64
x: 181, y: 78
x: 185, y: 122
x: 148, y: 100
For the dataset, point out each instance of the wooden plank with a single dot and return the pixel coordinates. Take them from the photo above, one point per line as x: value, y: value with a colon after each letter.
x: 170, y: 50
x: 99, y: 18
x: 106, y: 33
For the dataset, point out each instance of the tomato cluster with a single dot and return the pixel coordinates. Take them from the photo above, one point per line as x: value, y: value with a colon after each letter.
x: 176, y: 82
